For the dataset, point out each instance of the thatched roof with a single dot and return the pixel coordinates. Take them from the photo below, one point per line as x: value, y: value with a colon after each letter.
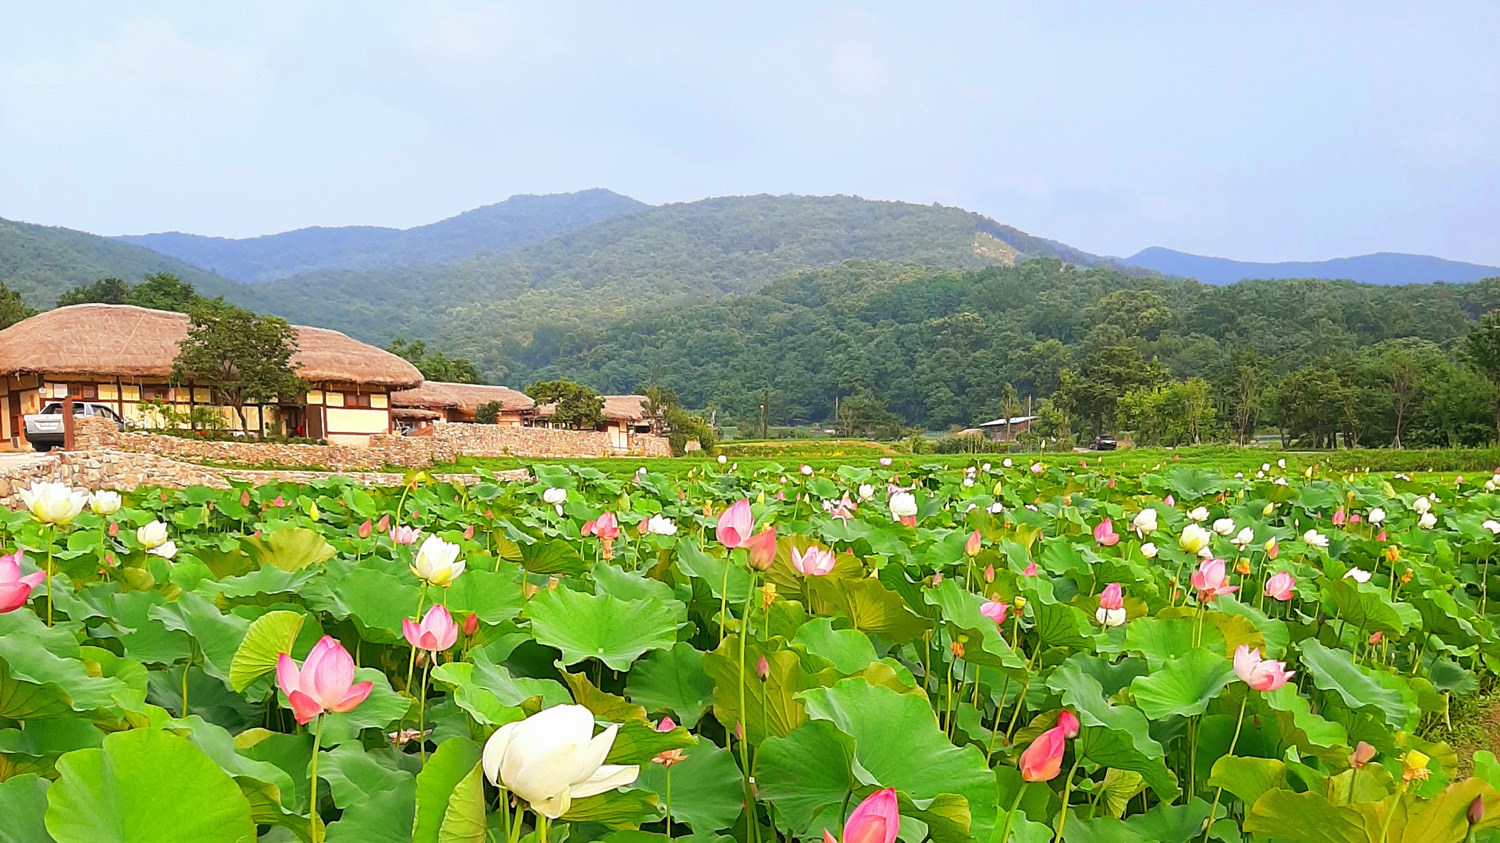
x: 631, y: 408
x: 464, y: 397
x: 118, y: 340
x: 414, y: 414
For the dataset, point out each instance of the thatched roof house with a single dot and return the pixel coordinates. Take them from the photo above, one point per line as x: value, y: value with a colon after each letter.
x: 122, y: 355
x: 457, y: 402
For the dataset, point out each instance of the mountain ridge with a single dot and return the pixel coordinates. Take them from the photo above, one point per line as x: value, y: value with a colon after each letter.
x: 1387, y: 268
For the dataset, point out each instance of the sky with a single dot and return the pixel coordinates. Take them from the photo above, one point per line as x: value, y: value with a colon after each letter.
x: 1259, y: 131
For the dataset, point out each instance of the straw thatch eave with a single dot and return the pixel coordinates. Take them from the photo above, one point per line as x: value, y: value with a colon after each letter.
x: 464, y: 397
x: 111, y: 341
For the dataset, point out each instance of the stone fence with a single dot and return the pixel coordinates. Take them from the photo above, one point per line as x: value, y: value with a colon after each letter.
x: 124, y: 471
x: 441, y: 446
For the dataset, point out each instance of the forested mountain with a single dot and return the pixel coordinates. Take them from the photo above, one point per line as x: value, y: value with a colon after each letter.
x: 1380, y: 268
x: 938, y: 347
x: 492, y: 228
x: 42, y: 262
x: 672, y: 255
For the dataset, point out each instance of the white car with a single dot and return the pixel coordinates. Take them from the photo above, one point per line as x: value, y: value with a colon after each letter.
x: 44, y: 430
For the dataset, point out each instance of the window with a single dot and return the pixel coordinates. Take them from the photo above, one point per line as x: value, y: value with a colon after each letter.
x: 154, y: 393
x: 83, y: 390
x: 356, y: 400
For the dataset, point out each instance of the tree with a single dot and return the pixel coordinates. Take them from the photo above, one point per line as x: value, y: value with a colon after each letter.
x: 1402, y: 366
x: 1482, y: 351
x: 487, y: 413
x: 578, y: 406
x: 435, y: 366
x: 12, y: 308
x: 164, y: 291
x: 103, y: 291
x: 244, y: 357
x: 864, y: 417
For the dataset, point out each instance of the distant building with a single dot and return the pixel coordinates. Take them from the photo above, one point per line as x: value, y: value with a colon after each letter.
x: 1006, y: 430
x: 122, y: 356
x: 623, y: 415
x: 458, y: 402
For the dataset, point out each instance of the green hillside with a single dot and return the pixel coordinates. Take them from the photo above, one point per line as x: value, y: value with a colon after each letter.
x: 493, y: 228
x: 41, y: 262
x: 674, y: 255
x: 937, y: 347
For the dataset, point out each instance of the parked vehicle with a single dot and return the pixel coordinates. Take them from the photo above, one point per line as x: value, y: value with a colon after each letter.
x: 44, y: 430
x: 1105, y: 443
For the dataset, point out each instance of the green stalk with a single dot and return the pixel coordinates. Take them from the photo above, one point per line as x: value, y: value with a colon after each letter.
x: 999, y: 709
x: 1066, y: 795
x: 422, y: 708
x: 312, y: 804
x: 1014, y: 806
x: 753, y: 829
x: 669, y: 803
x: 1218, y: 792
x: 51, y: 529
x: 1385, y: 827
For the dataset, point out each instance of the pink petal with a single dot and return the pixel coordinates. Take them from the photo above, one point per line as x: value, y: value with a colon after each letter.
x: 13, y: 596
x: 356, y: 695
x: 287, y: 676
x: 34, y: 580
x: 304, y: 707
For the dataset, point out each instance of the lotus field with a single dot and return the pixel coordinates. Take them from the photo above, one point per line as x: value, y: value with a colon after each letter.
x: 993, y: 653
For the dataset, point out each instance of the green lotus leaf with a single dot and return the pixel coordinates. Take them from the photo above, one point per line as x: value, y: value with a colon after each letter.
x: 377, y: 797
x: 450, y: 795
x: 268, y: 637
x: 1115, y: 736
x: 707, y: 793
x: 1184, y: 686
x: 23, y: 804
x: 291, y: 549
x: 142, y: 784
x: 1335, y: 671
x: 599, y: 626
x: 672, y: 680
x: 807, y: 774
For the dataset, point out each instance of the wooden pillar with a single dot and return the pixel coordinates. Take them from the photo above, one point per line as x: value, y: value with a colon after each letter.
x: 67, y: 411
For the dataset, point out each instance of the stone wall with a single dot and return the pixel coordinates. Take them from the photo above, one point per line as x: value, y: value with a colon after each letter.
x: 484, y: 440
x: 442, y: 446
x: 124, y: 471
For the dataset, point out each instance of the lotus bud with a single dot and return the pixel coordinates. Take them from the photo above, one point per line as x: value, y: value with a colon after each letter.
x: 971, y: 547
x: 471, y: 624
x: 762, y: 669
x: 1475, y: 813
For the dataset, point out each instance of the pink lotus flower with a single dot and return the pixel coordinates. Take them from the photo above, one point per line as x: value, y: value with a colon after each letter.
x: 1068, y: 722
x: 762, y: 669
x: 325, y: 682
x: 365, y: 529
x: 937, y: 578
x: 1380, y: 537
x: 1363, y: 754
x: 404, y: 535
x: 813, y: 562
x: 1042, y: 761
x: 244, y: 498
x: 1030, y: 570
x: 471, y: 624
x: 668, y: 757
x: 436, y: 633
x: 1104, y: 533
x: 971, y: 547
x: 1169, y: 501
x: 1260, y: 674
x: 1113, y: 597
x: 735, y: 524
x: 469, y: 532
x: 279, y: 502
x: 1354, y: 518
x: 876, y: 820
x: 384, y: 524
x: 762, y: 548
x: 606, y: 526
x: 15, y: 589
x: 989, y: 572
x: 994, y: 610
x: 1339, y: 518
x: 1279, y: 586
x: 1273, y: 549
x: 840, y: 509
x: 1211, y: 580
x: 1376, y: 638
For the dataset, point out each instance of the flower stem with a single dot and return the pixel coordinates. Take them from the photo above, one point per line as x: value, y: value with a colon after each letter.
x: 1218, y: 792
x: 753, y: 823
x: 1391, y: 813
x: 1014, y: 806
x: 1066, y: 794
x: 312, y: 803
x: 669, y: 803
x: 51, y: 529
x: 422, y: 708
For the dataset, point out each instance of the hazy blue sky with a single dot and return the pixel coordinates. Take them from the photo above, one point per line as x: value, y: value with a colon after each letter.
x: 1261, y: 131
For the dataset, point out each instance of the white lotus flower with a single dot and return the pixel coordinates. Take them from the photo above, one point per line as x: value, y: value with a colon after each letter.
x: 1427, y: 521
x: 1357, y: 574
x: 806, y: 470
x: 1377, y: 516
x: 1265, y: 466
x: 1144, y: 521
x: 1110, y: 617
x: 104, y: 503
x: 1421, y: 505
x: 555, y: 497
x: 723, y: 459
x: 165, y: 550
x: 985, y: 468
x: 1243, y: 539
x: 53, y: 503
x: 1198, y: 514
x: 1224, y: 526
x: 866, y: 491
x: 1281, y: 463
x: 1006, y: 462
x: 553, y: 757
x: 1492, y: 525
x: 1148, y: 550
x: 437, y: 562
x: 1280, y: 481
x: 660, y: 526
x: 903, y: 505
x: 1314, y: 538
x: 996, y: 508
x: 1194, y: 539
x: 152, y: 536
